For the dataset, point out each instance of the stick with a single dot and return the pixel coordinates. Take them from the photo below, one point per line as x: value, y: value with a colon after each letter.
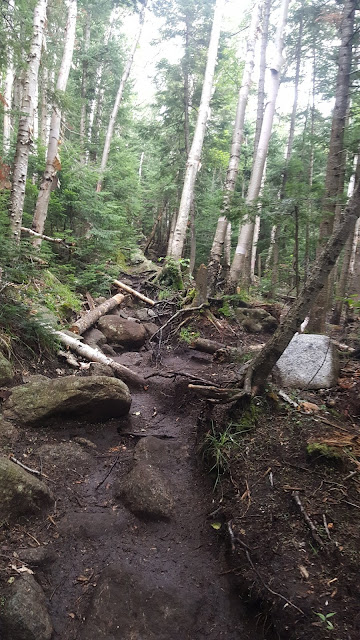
x: 48, y: 238
x: 309, y: 522
x: 108, y: 473
x: 133, y: 292
x: 23, y: 466
x: 93, y: 316
x: 177, y: 314
x: 94, y: 355
x: 70, y: 358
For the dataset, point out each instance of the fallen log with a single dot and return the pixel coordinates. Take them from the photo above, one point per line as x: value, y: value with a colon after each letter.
x: 94, y: 355
x: 207, y: 346
x: 133, y: 292
x: 86, y: 321
x: 48, y: 238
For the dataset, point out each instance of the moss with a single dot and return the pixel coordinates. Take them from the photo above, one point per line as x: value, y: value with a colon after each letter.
x: 319, y: 449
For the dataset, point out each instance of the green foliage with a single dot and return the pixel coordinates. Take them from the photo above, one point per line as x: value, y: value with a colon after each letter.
x: 226, y: 310
x: 323, y: 450
x: 325, y: 619
x: 188, y: 335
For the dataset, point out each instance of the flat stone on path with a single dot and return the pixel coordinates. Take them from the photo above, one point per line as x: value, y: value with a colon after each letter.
x: 92, y: 398
x: 20, y: 492
x: 24, y: 614
x: 126, y: 607
x: 309, y: 362
x: 145, y: 491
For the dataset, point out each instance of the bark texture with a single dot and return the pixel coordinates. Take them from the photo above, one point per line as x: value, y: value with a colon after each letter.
x: 192, y: 165
x: 24, y: 136
x: 87, y: 321
x: 8, y: 86
x: 52, y: 160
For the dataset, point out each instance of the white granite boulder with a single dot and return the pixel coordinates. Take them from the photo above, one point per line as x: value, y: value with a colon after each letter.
x: 309, y: 362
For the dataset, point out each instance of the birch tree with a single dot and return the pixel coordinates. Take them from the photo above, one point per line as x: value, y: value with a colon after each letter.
x: 52, y: 159
x: 244, y: 243
x: 192, y: 165
x: 233, y: 167
x: 8, y: 86
x: 24, y: 136
x: 119, y: 95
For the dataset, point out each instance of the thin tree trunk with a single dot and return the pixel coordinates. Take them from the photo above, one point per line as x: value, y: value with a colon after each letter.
x: 193, y: 161
x: 246, y: 227
x: 119, y: 95
x: 262, y: 73
x: 254, y: 248
x: 84, y: 78
x: 262, y: 365
x: 52, y: 161
x: 43, y: 126
x: 24, y: 138
x: 192, y: 238
x: 334, y: 170
x: 237, y: 139
x: 8, y: 88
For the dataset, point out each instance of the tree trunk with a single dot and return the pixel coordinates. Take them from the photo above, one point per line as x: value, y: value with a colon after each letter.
x: 119, y: 95
x: 262, y: 73
x: 237, y: 139
x: 52, y: 160
x: 84, y: 78
x: 87, y: 321
x: 334, y: 170
x: 193, y: 161
x: 8, y: 87
x: 43, y: 125
x: 262, y: 365
x: 24, y: 137
x: 246, y: 227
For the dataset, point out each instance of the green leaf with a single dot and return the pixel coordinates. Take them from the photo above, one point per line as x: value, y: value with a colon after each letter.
x: 216, y: 525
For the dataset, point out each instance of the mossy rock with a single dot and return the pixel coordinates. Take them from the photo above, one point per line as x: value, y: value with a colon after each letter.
x: 20, y: 492
x: 6, y: 370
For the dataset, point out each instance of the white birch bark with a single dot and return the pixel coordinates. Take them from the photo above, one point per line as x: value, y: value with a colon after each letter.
x: 43, y: 124
x: 193, y: 161
x: 8, y: 88
x: 119, y: 95
x: 24, y: 137
x: 237, y: 139
x: 246, y: 227
x: 84, y: 79
x: 52, y: 161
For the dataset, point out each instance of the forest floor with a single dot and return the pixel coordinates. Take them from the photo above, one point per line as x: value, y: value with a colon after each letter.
x: 237, y: 558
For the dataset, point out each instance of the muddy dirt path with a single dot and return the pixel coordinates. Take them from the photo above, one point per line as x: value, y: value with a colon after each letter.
x: 169, y: 575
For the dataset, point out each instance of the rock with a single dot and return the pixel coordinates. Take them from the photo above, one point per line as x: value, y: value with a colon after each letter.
x: 92, y: 398
x: 150, y: 328
x: 37, y: 377
x: 125, y: 607
x: 37, y: 556
x: 68, y: 455
x: 142, y: 315
x: 8, y: 433
x: 127, y: 333
x: 250, y: 325
x: 24, y: 614
x: 310, y: 361
x: 6, y: 370
x: 154, y: 452
x: 146, y: 492
x: 256, y: 320
x: 94, y: 338
x: 108, y: 350
x: 20, y: 492
x: 84, y: 442
x: 98, y: 369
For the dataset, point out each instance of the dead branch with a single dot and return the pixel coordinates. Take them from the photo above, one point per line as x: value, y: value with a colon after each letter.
x: 94, y: 355
x: 86, y: 321
x: 172, y: 374
x: 48, y: 238
x: 207, y: 346
x: 309, y: 522
x: 35, y: 472
x: 133, y: 292
x: 70, y: 358
x: 177, y: 314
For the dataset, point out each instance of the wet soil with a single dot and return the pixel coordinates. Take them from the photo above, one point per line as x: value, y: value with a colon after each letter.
x: 89, y: 530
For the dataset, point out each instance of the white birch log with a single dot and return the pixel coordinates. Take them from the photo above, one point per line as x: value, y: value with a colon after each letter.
x: 133, y: 292
x: 236, y: 144
x: 119, y: 95
x: 94, y: 355
x: 193, y: 161
x: 24, y: 137
x: 87, y: 321
x: 246, y: 227
x: 52, y: 160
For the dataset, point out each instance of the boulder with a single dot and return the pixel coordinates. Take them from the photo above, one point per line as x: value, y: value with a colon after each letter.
x: 125, y: 606
x: 93, y: 398
x: 123, y: 332
x: 98, y: 369
x: 6, y: 370
x: 155, y: 452
x: 309, y: 362
x: 20, y: 492
x: 150, y: 328
x: 94, y: 338
x: 24, y: 613
x: 256, y: 320
x: 145, y: 491
x: 8, y: 433
x: 37, y: 556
